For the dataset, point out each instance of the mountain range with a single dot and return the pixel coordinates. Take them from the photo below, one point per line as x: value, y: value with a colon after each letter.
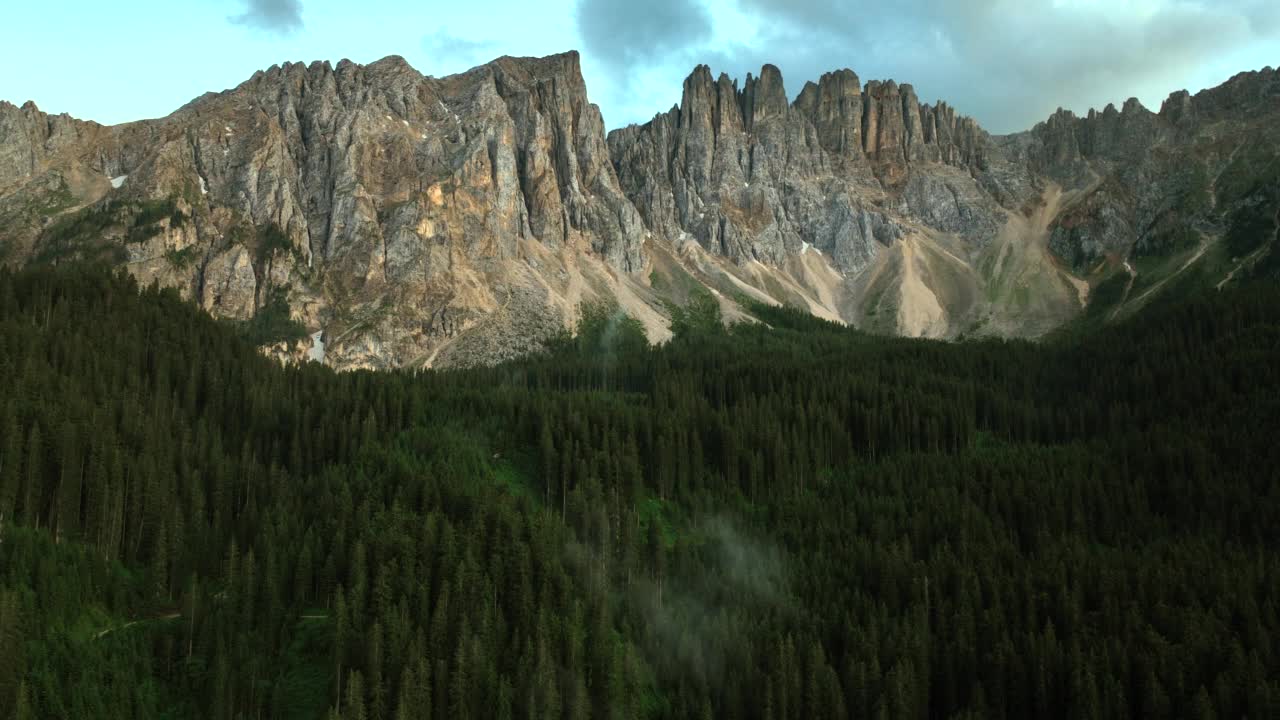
x: 371, y: 216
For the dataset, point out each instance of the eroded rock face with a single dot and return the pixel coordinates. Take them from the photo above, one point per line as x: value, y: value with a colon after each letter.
x: 1095, y: 228
x: 848, y: 170
x: 753, y: 177
x: 381, y: 201
x: 417, y: 221
x: 1143, y: 174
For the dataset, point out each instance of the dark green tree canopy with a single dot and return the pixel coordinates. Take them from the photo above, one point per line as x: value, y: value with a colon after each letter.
x: 781, y: 519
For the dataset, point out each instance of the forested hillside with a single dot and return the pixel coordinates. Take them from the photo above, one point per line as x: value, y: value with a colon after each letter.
x: 780, y: 520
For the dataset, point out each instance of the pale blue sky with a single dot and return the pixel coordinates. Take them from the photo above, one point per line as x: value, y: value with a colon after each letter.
x: 1009, y: 63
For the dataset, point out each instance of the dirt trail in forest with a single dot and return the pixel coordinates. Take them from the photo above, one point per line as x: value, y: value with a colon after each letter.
x: 131, y: 623
x: 1253, y: 256
x: 1204, y: 245
x: 1124, y: 297
x: 1247, y: 260
x: 175, y: 616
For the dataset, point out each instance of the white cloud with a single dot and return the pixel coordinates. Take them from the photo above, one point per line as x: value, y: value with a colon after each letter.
x: 1007, y: 62
x: 281, y: 16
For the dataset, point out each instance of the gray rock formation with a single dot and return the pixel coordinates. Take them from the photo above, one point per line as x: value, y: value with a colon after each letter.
x: 1140, y: 173
x: 752, y: 177
x: 378, y: 199
x: 417, y: 221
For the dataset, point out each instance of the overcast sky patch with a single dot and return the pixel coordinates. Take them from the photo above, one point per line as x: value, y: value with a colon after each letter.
x: 1008, y: 63
x: 279, y: 16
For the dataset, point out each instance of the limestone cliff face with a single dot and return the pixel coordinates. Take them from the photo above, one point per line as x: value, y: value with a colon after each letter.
x: 385, y: 205
x: 924, y: 218
x: 417, y: 221
x: 31, y: 137
x: 1142, y: 174
x: 845, y: 171
x: 751, y: 176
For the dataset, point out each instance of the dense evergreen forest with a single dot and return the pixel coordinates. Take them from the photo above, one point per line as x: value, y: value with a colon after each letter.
x: 781, y: 520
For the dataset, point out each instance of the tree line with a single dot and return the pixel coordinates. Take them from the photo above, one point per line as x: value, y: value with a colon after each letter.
x: 781, y: 519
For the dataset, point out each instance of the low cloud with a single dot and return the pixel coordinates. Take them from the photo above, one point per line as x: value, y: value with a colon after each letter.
x: 278, y: 16
x: 444, y: 46
x: 623, y: 32
x: 692, y: 622
x: 1009, y: 64
x: 636, y: 53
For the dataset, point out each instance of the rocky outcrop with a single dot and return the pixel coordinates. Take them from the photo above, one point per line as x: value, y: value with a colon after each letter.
x: 834, y: 106
x: 752, y: 177
x: 1141, y: 175
x: 416, y: 221
x: 563, y: 162
x: 856, y: 201
x: 31, y: 138
x: 377, y: 199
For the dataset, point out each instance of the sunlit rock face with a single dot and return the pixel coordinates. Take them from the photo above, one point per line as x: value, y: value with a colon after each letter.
x: 416, y: 221
x: 923, y: 214
x: 387, y: 206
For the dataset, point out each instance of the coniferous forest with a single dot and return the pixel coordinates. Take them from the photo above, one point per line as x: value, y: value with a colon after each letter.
x: 787, y: 519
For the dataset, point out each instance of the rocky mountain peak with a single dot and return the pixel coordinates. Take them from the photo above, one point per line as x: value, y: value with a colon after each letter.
x: 763, y: 98
x: 826, y: 101
x: 414, y: 220
x: 834, y: 106
x: 390, y: 63
x: 698, y: 95
x: 1177, y: 106
x: 564, y: 68
x: 1133, y: 105
x: 378, y: 202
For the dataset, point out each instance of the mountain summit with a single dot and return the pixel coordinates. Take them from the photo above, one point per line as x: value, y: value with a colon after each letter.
x: 402, y: 220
